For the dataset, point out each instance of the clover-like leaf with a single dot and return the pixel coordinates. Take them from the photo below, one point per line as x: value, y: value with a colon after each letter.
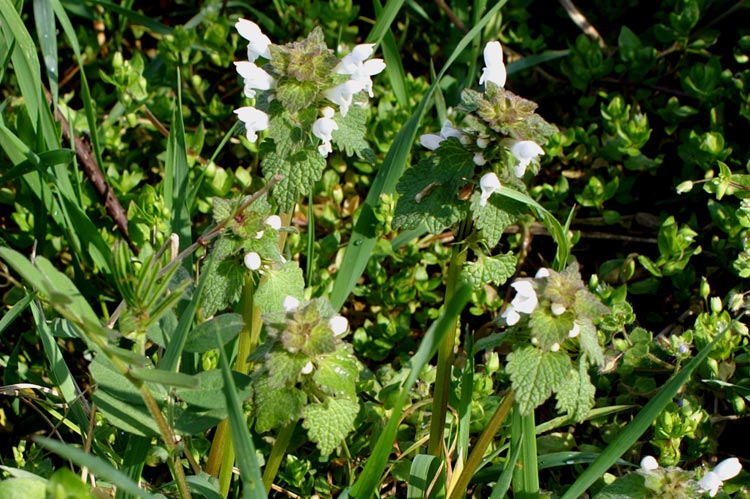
x: 535, y: 374
x: 328, y: 423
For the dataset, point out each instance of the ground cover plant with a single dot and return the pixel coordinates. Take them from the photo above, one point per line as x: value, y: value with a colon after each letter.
x: 337, y: 249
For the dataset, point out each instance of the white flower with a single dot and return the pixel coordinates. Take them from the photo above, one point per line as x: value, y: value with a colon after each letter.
x: 338, y: 325
x: 489, y: 183
x: 525, y: 300
x: 555, y: 347
x: 255, y: 78
x: 259, y: 234
x: 483, y: 142
x: 649, y: 463
x: 308, y: 368
x: 258, y: 42
x: 357, y: 65
x: 323, y: 129
x: 432, y: 141
x: 274, y: 221
x: 712, y: 481
x: 524, y: 151
x: 291, y: 304
x: 511, y: 316
x: 479, y: 159
x: 252, y: 260
x: 342, y: 94
x: 494, y: 67
x: 541, y: 273
x: 254, y: 119
x: 575, y: 330
x: 557, y: 308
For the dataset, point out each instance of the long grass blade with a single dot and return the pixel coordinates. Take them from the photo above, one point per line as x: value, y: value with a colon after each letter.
x: 394, y: 68
x: 44, y: 18
x: 363, y: 238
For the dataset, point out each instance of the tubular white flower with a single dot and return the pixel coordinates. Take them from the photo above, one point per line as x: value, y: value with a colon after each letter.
x: 343, y: 94
x: 525, y: 300
x: 525, y: 151
x: 308, y: 368
x: 494, y: 67
x: 575, y: 330
x: 252, y: 260
x: 339, y: 325
x: 541, y: 273
x: 479, y: 159
x: 489, y: 183
x: 649, y: 463
x: 728, y: 468
x: 557, y: 308
x: 257, y: 42
x: 323, y: 129
x: 357, y: 65
x: 432, y: 141
x: 483, y: 142
x: 254, y: 119
x: 255, y: 78
x: 511, y: 316
x: 291, y: 304
x: 274, y: 221
x: 711, y: 483
x: 555, y: 347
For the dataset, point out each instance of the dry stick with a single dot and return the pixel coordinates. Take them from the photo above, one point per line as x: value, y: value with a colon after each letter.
x: 583, y: 23
x: 94, y: 173
x: 452, y: 16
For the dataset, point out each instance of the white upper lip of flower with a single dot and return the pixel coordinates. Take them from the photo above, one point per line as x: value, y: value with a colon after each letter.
x: 494, y: 69
x: 432, y: 141
x: 712, y: 481
x: 489, y: 183
x: 524, y: 151
x: 254, y: 119
x: 323, y: 129
x: 357, y: 65
x: 257, y: 42
x: 255, y: 78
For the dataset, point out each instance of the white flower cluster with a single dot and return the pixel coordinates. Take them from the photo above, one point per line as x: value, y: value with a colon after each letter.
x: 526, y: 301
x: 711, y: 482
x: 358, y: 65
x: 524, y: 151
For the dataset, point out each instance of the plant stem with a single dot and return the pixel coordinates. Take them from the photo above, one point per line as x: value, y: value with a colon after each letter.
x: 277, y: 454
x: 526, y: 474
x: 445, y: 361
x: 458, y: 488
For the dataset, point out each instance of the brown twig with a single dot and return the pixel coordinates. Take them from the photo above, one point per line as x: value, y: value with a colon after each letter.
x: 452, y: 16
x: 583, y: 23
x: 94, y: 173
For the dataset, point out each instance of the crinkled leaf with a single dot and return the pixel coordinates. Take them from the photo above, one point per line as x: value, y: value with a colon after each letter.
x: 327, y: 424
x: 350, y: 137
x: 535, y: 374
x: 337, y: 374
x: 495, y: 216
x: 492, y: 269
x: 429, y: 191
x: 589, y: 340
x: 549, y: 328
x: 588, y: 305
x: 276, y: 406
x: 320, y: 341
x: 296, y: 95
x: 222, y: 208
x: 224, y: 285
x: 284, y: 368
x: 576, y: 395
x: 501, y: 107
x: 279, y: 283
x: 299, y: 172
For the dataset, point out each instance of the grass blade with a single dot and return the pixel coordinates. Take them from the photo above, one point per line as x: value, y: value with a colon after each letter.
x: 393, y: 65
x: 642, y: 422
x: 368, y: 480
x: 99, y: 467
x: 176, y: 190
x: 423, y: 471
x: 44, y: 18
x: 363, y: 237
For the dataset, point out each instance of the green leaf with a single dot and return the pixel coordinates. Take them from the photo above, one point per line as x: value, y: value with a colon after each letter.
x: 284, y: 368
x: 576, y: 395
x: 490, y: 269
x: 327, y: 424
x: 495, y: 216
x: 276, y: 407
x: 162, y: 377
x: 210, y: 392
x: 548, y: 328
x: 429, y: 191
x: 223, y: 285
x: 589, y: 340
x: 23, y: 488
x: 299, y: 172
x: 64, y: 484
x: 350, y: 136
x: 535, y: 374
x: 337, y: 374
x: 278, y: 284
x: 296, y: 95
x: 226, y: 327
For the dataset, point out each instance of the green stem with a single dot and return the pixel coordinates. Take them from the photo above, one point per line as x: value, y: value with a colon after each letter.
x: 277, y: 454
x: 445, y: 360
x: 458, y: 488
x: 526, y: 474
